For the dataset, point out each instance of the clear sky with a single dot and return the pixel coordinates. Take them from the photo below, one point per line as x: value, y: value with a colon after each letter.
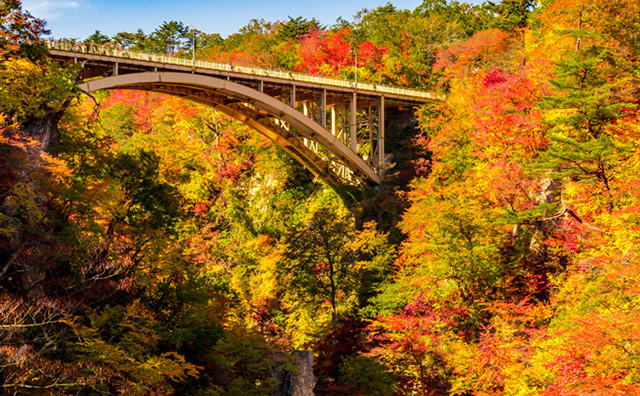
x: 80, y: 18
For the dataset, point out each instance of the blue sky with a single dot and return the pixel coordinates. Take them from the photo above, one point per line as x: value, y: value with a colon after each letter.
x: 80, y: 18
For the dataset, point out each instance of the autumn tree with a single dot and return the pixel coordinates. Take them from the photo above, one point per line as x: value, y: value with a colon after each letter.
x: 20, y: 32
x: 327, y: 259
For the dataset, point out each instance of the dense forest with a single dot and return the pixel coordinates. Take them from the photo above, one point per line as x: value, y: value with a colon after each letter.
x: 152, y: 246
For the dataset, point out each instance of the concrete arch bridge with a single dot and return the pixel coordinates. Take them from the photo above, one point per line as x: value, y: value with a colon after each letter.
x: 335, y: 128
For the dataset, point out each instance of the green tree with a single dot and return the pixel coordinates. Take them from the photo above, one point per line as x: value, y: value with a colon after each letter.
x: 468, y: 18
x: 511, y: 15
x: 382, y: 25
x: 97, y: 38
x: 167, y: 38
x: 130, y: 40
x: 585, y: 102
x: 327, y: 259
x: 297, y: 27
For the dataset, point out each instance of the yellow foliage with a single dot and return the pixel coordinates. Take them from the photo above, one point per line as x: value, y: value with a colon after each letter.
x: 23, y: 88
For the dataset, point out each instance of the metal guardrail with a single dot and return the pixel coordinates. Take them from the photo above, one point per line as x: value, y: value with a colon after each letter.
x: 110, y: 50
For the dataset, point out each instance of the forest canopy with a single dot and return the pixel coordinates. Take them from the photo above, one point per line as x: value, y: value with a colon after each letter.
x: 150, y: 245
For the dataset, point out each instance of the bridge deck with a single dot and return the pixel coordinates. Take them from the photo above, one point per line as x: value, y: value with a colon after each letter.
x: 111, y: 55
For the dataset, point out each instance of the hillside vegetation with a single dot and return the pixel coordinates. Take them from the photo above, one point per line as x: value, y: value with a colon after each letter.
x: 152, y: 246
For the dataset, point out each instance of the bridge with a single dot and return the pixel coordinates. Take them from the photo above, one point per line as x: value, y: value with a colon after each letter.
x: 335, y: 128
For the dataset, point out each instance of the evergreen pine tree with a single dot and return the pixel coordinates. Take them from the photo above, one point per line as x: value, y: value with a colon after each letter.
x: 97, y: 38
x: 585, y: 101
x: 167, y: 38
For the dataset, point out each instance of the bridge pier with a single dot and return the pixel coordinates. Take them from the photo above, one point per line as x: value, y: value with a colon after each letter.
x: 292, y: 96
x: 334, y: 125
x: 353, y: 124
x: 380, y: 136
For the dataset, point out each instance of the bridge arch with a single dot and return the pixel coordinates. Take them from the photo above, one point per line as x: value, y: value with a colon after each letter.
x: 278, y: 121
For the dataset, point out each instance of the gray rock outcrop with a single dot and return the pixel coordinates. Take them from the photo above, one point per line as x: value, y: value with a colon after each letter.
x: 295, y: 377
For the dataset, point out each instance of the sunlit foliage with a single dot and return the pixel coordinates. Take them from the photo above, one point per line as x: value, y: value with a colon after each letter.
x: 152, y: 246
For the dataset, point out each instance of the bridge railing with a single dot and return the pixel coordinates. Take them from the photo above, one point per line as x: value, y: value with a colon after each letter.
x: 110, y: 50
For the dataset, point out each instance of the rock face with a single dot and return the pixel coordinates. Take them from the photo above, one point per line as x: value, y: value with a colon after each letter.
x: 298, y: 380
x: 45, y: 129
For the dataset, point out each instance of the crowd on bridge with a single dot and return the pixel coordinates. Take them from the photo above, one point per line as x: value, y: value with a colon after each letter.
x: 87, y: 47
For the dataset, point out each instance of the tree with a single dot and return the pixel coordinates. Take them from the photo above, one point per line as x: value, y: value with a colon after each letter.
x: 470, y: 18
x: 20, y: 32
x: 326, y: 259
x: 511, y: 15
x: 97, y: 38
x: 585, y: 103
x: 297, y: 27
x: 167, y: 38
x: 414, y: 343
x: 380, y: 25
x: 131, y: 40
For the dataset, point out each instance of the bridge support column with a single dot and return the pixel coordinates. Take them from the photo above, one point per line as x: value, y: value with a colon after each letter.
x: 292, y: 98
x: 344, y: 123
x: 323, y: 108
x: 372, y: 148
x: 334, y: 124
x: 381, y: 157
x: 353, y: 124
